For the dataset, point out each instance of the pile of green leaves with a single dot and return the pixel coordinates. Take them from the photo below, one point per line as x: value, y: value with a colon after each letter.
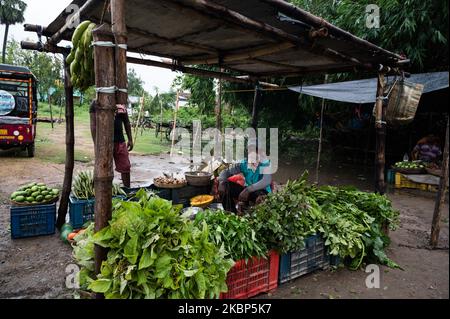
x: 287, y: 217
x: 349, y: 220
x: 153, y: 253
x: 353, y: 222
x: 234, y: 232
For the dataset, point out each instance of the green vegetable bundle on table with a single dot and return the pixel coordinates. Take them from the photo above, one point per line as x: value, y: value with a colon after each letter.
x: 350, y: 221
x: 35, y: 193
x: 410, y: 165
x: 83, y: 186
x: 81, y: 58
x: 153, y: 252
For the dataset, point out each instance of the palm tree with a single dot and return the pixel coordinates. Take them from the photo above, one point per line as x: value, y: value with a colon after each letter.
x: 11, y: 12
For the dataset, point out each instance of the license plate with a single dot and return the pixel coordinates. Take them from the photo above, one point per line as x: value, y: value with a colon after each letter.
x: 3, y: 132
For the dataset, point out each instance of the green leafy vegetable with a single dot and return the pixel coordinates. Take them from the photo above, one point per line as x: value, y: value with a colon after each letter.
x: 153, y: 253
x: 236, y: 234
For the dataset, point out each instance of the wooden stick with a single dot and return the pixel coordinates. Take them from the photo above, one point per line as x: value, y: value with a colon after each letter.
x: 243, y: 55
x: 440, y: 198
x: 256, y: 101
x: 104, y: 113
x: 195, y: 71
x: 319, y: 151
x: 380, y: 127
x: 317, y: 22
x: 70, y: 142
x: 175, y: 123
x: 84, y: 10
x: 51, y: 111
x: 218, y: 108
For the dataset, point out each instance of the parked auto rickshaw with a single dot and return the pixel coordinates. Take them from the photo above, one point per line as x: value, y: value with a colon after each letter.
x: 18, y: 108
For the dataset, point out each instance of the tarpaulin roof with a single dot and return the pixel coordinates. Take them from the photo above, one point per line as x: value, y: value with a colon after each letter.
x: 259, y: 38
x: 364, y: 91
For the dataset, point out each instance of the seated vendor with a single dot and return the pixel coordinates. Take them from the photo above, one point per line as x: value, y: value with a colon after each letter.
x: 427, y: 149
x: 255, y: 186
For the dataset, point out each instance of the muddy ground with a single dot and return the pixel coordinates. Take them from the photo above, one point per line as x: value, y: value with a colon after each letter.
x: 35, y: 267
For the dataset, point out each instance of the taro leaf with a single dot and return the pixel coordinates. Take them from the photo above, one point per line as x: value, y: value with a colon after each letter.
x: 123, y: 285
x: 201, y: 284
x: 130, y: 250
x: 190, y: 273
x: 141, y: 277
x: 100, y: 285
x: 162, y: 266
x: 146, y: 259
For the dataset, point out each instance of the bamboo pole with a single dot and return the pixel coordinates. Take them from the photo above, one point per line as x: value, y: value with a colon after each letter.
x: 256, y: 102
x: 218, y: 108
x: 380, y: 127
x: 440, y: 198
x: 105, y: 109
x: 51, y: 111
x: 194, y: 71
x: 86, y: 8
x: 319, y: 151
x: 70, y: 141
x: 174, y: 127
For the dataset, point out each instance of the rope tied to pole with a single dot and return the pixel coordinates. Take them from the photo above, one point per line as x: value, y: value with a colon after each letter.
x: 110, y: 90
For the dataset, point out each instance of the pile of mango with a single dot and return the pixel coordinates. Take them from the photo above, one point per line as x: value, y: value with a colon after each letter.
x: 34, y: 193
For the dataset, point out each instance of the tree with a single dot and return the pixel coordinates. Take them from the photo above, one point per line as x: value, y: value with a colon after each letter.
x: 416, y: 28
x: 46, y: 67
x: 11, y: 12
x: 135, y: 84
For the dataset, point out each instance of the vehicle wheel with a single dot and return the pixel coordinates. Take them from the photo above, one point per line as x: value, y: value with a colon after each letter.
x: 168, y: 134
x: 30, y: 150
x: 157, y: 130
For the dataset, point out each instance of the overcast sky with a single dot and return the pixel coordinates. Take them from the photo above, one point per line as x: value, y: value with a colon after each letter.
x: 43, y: 12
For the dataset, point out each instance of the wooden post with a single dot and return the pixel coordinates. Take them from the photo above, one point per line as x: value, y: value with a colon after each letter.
x: 50, y: 105
x: 70, y: 141
x: 256, y: 101
x: 104, y: 114
x: 174, y: 127
x: 218, y: 109
x: 319, y: 151
x: 440, y: 198
x: 380, y: 127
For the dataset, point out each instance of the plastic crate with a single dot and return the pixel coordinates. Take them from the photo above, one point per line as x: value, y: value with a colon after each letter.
x: 82, y: 210
x: 29, y: 221
x: 390, y: 176
x: 249, y: 279
x: 402, y: 182
x: 313, y: 257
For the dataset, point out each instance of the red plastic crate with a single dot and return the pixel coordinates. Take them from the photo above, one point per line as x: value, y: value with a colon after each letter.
x: 257, y: 276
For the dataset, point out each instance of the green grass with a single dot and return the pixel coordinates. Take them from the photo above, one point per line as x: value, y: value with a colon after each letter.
x: 149, y: 144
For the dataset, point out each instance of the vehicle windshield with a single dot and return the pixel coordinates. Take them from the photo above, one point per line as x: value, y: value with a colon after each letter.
x: 13, y: 97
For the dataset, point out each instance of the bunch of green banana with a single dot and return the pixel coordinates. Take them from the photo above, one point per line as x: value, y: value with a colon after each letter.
x: 83, y: 186
x: 81, y: 58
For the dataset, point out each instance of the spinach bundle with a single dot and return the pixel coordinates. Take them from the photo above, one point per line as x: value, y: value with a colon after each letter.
x: 234, y: 232
x: 153, y: 253
x: 285, y: 218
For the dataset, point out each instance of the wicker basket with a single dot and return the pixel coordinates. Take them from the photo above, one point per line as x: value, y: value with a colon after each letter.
x: 198, y: 178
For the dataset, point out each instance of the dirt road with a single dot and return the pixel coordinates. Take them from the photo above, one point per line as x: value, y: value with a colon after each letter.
x: 35, y: 267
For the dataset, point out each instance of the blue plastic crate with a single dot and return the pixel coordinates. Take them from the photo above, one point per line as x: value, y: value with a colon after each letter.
x: 335, y: 260
x: 80, y: 211
x: 29, y: 221
x: 312, y: 257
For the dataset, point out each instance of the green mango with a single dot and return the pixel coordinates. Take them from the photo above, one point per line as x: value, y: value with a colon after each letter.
x: 19, y: 199
x: 39, y: 198
x: 30, y: 199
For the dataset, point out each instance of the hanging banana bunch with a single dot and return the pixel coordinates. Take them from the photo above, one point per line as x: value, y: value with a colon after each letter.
x: 81, y: 58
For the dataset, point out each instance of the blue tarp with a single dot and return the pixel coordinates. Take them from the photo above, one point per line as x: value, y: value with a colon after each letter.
x: 364, y: 91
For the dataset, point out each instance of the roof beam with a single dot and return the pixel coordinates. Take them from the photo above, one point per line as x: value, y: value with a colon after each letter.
x: 84, y: 10
x: 297, y: 13
x: 247, y: 24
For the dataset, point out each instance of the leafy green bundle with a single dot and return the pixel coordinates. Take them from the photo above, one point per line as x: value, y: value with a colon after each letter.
x: 234, y: 232
x: 287, y: 217
x: 350, y: 221
x: 83, y: 186
x: 153, y: 253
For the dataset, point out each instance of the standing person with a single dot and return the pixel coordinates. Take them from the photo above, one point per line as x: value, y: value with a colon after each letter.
x: 256, y: 184
x: 121, y: 148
